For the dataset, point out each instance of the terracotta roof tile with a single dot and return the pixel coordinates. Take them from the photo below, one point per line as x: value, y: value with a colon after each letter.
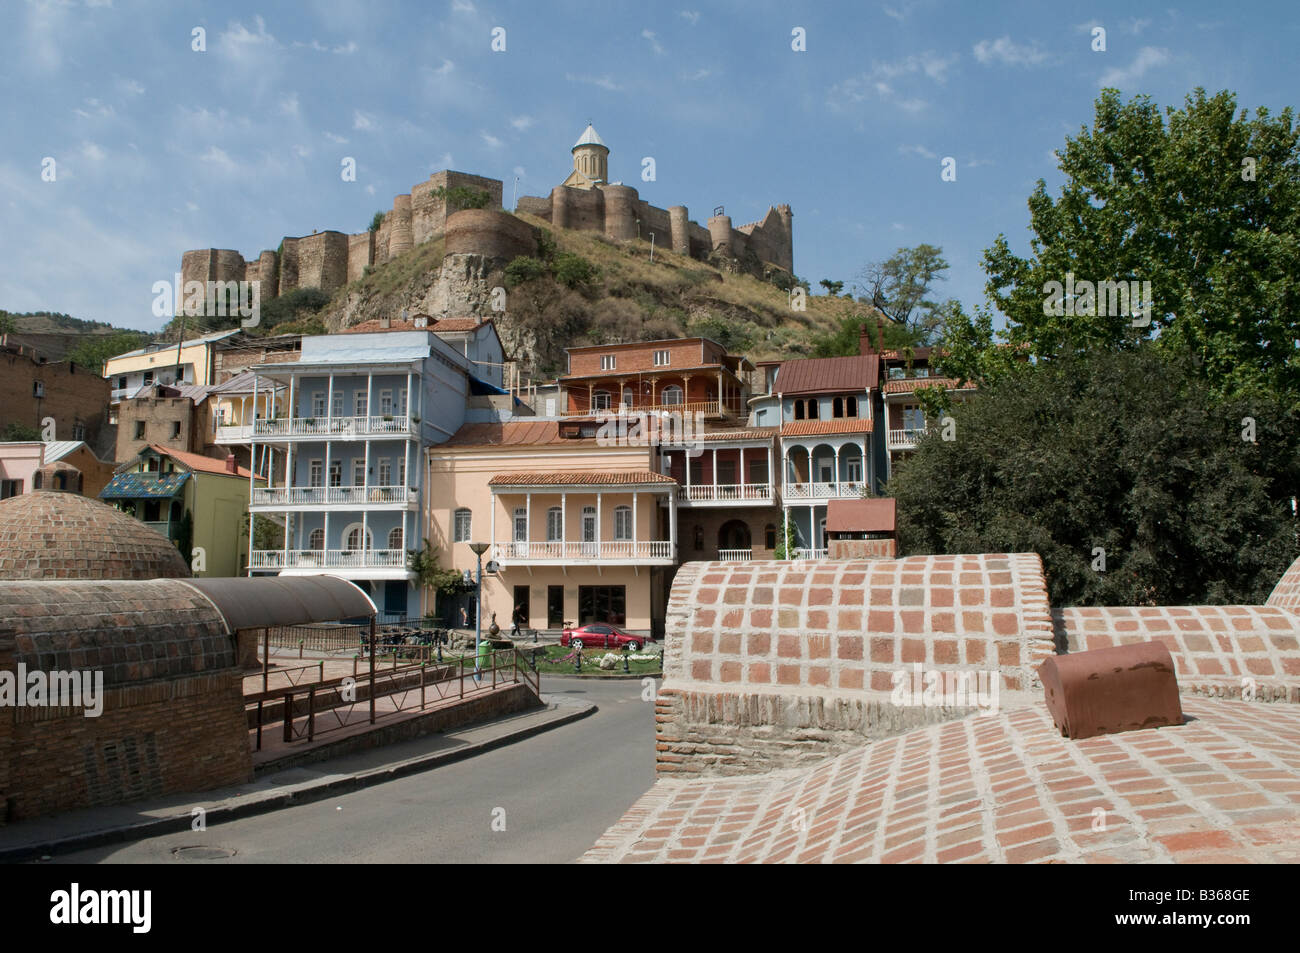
x: 801, y: 428
x: 911, y: 384
x: 196, y: 461
x: 580, y: 478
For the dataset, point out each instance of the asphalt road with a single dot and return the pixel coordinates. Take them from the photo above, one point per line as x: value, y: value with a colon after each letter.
x: 559, y: 791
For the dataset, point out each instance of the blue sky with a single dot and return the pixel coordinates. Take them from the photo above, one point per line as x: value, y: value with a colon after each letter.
x: 159, y: 148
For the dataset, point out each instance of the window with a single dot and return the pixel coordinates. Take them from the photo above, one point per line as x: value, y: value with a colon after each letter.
x: 318, y: 404
x: 602, y: 604
x: 395, y: 540
x: 176, y: 429
x: 837, y: 407
x: 336, y: 473
x: 316, y: 540
x: 896, y: 373
x: 148, y: 378
x: 589, y: 530
x: 854, y: 469
x: 661, y: 358
x: 608, y: 362
x: 622, y: 523
x: 385, y: 472
x: 850, y: 406
x: 921, y: 372
x: 355, y: 540
x: 401, y: 472
x: 554, y: 525
x: 600, y: 400
x: 401, y: 401
x: 336, y: 409
x: 463, y: 524
x: 139, y: 430
x: 672, y: 395
x: 10, y: 488
x: 314, y: 473
x: 358, y: 472
x: 361, y: 404
x: 521, y: 525
x: 813, y: 409
x: 386, y: 403
x: 913, y: 417
x: 769, y: 536
x: 798, y: 410
x: 121, y: 383
x: 629, y: 399
x: 78, y: 431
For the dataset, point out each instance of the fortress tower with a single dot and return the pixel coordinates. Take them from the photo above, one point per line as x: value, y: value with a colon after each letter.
x: 590, y: 161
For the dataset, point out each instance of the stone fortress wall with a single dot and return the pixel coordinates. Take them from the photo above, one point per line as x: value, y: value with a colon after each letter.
x: 330, y: 259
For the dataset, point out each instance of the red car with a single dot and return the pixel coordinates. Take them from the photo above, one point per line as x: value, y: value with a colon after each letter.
x: 600, y: 635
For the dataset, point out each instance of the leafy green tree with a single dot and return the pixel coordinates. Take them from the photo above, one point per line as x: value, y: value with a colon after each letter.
x: 296, y: 305
x: 523, y: 268
x: 1201, y: 203
x: 844, y: 340
x: 573, y: 271
x: 15, y: 431
x: 7, y: 325
x: 1124, y: 452
x: 833, y: 288
x: 899, y: 288
x: 461, y: 197
x: 93, y: 350
x: 377, y: 220
x: 428, y: 572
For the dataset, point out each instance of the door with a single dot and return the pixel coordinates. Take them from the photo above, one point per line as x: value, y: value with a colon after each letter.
x: 520, y: 612
x: 589, y: 531
x: 554, y: 607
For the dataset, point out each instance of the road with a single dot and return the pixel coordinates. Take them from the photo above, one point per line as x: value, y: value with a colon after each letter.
x: 559, y: 790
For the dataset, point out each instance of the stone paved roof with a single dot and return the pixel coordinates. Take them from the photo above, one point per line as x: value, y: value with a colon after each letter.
x: 50, y: 535
x: 1221, y: 788
x: 1286, y: 594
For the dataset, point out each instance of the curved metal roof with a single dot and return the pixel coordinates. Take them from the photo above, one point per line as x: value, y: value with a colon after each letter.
x: 283, y: 600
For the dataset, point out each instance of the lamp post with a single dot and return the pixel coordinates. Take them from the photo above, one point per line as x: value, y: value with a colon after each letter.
x: 478, y: 549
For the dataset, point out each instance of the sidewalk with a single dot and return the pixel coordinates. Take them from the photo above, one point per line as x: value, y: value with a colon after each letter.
x: 93, y: 827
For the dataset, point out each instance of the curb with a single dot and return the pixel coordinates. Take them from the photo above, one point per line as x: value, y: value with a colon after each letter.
x: 620, y: 677
x: 305, y: 795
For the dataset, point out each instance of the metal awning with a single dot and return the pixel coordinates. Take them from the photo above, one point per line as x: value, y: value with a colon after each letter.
x: 144, y: 486
x: 283, y: 600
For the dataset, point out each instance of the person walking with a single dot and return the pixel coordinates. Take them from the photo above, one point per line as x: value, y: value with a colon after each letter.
x: 518, y: 618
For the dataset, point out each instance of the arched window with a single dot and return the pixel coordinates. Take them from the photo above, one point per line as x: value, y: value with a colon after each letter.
x: 850, y: 407
x: 769, y: 536
x: 672, y: 395
x: 554, y: 525
x: 622, y: 523
x: 316, y: 539
x: 395, y: 540
x: 812, y: 408
x: 356, y: 539
x: 600, y: 400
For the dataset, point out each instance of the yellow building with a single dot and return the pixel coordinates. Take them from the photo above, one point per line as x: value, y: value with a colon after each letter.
x: 582, y: 532
x: 191, y: 363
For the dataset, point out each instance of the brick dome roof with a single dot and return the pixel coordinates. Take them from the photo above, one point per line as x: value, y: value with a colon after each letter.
x: 51, y: 535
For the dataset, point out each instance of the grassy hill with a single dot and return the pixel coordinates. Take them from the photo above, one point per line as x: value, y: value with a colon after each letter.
x: 630, y: 298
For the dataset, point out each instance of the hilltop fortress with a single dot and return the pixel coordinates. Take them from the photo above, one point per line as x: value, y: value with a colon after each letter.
x: 586, y: 200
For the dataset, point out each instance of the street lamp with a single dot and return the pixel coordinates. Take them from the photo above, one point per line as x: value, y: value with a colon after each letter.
x: 478, y: 549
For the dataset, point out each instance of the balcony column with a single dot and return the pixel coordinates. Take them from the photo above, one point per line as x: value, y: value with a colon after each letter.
x: 492, y: 518
x: 634, y: 515
x: 740, y: 465
x: 370, y: 398
x: 286, y: 538
x: 719, y: 390
x: 715, y: 473
x: 837, y: 469
x: 329, y: 405
x: 365, y: 476
x: 365, y: 534
x: 564, y: 524
x: 293, y: 407
x: 528, y: 522
x: 771, y: 476
x: 686, y: 461
x: 599, y: 496
x: 406, y: 406
x: 812, y: 529
x: 325, y: 542
x: 866, y: 466
x: 672, y: 522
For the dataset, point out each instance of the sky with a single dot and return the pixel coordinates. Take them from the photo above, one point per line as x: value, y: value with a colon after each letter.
x: 159, y: 147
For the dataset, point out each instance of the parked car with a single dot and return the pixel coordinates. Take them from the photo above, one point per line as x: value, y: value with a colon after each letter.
x: 600, y: 635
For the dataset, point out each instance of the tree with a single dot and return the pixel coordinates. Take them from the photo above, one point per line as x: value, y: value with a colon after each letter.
x: 573, y: 271
x: 1132, y: 482
x: 844, y: 340
x: 833, y: 288
x: 461, y: 197
x: 377, y: 220
x: 15, y: 432
x: 1200, y: 209
x: 7, y: 325
x: 898, y: 287
x: 429, y: 573
x: 95, y: 349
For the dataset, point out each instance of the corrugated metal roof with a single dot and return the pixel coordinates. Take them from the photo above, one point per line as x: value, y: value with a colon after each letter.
x: 860, y: 516
x: 824, y: 375
x: 382, y: 348
x: 283, y: 600
x: 589, y: 137
x: 144, y: 486
x: 58, y: 449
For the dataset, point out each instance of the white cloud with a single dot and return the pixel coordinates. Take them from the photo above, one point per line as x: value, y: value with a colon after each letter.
x: 130, y: 87
x: 340, y: 140
x: 238, y: 42
x: 289, y: 105
x: 918, y: 150
x: 519, y: 171
x: 690, y: 16
x: 875, y: 83
x: 604, y: 82
x: 92, y: 152
x: 649, y: 36
x: 446, y: 67
x: 349, y: 47
x: 363, y: 122
x: 95, y: 108
x: 898, y: 226
x: 698, y: 75
x: 1006, y: 51
x: 1147, y: 57
x: 492, y: 141
x: 1135, y: 25
x: 522, y: 122
x: 219, y: 158
x: 462, y: 6
x: 445, y: 162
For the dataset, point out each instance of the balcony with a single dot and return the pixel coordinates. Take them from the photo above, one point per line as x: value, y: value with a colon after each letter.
x: 723, y: 494
x: 344, y: 497
x: 234, y: 433
x: 735, y: 555
x: 802, y: 553
x: 346, y: 428
x: 618, y: 552
x: 822, y: 491
x: 906, y: 439
x: 121, y: 393
x: 705, y: 408
x: 311, y: 559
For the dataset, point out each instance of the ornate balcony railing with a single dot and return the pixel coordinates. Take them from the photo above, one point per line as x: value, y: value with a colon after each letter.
x: 606, y: 550
x: 906, y: 439
x: 727, y: 493
x: 328, y: 559
x: 333, y: 495
x: 387, y: 425
x: 736, y: 555
x: 822, y: 491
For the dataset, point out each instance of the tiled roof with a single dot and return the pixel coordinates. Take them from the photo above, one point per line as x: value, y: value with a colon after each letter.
x: 802, y: 428
x: 579, y: 478
x: 512, y: 433
x: 911, y: 384
x: 1005, y: 788
x: 753, y: 433
x: 860, y: 516
x: 50, y: 535
x: 144, y: 486
x: 374, y: 325
x: 459, y: 324
x: 196, y: 461
x: 195, y: 392
x: 825, y: 375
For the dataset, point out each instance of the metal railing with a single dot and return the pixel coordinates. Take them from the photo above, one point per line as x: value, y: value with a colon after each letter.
x: 334, y: 426
x: 328, y: 559
x: 322, y: 495
x: 305, y: 711
x: 724, y: 493
x: 606, y: 549
x: 802, y: 553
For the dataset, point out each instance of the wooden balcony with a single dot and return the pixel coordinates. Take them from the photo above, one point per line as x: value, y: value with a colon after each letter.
x: 906, y: 439
x: 709, y: 494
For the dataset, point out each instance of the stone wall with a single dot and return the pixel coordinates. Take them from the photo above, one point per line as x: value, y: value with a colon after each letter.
x: 168, y: 421
x: 862, y: 549
x: 72, y: 395
x: 769, y: 664
x: 491, y: 234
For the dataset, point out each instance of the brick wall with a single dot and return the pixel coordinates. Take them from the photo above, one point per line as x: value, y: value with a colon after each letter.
x: 630, y: 358
x: 72, y: 395
x: 160, y: 416
x: 1286, y: 594
x: 862, y: 549
x: 775, y: 663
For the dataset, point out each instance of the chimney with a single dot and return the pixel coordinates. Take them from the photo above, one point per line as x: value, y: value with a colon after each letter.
x: 231, y: 466
x: 864, y: 342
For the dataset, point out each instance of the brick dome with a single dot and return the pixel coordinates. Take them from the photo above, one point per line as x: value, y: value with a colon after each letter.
x: 50, y: 535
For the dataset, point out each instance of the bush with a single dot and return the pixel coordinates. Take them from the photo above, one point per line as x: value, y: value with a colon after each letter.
x: 523, y: 268
x: 573, y: 271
